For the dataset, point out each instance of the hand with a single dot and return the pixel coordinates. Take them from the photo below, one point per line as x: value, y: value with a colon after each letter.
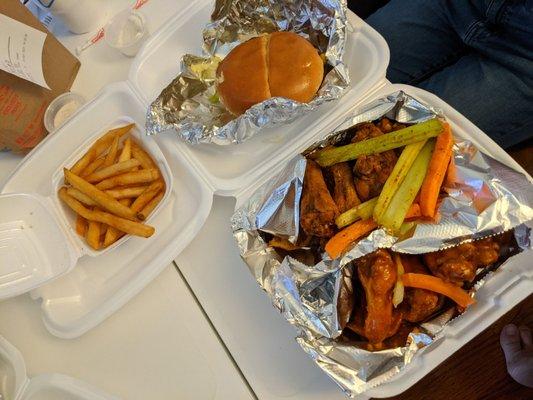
x: 517, y: 345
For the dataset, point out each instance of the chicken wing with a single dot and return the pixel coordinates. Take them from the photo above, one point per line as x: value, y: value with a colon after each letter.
x: 418, y: 304
x: 377, y: 273
x: 371, y: 171
x: 318, y: 210
x: 459, y: 264
x: 386, y: 126
x: 344, y: 192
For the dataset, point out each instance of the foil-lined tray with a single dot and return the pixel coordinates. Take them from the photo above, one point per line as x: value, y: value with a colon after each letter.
x: 189, y: 105
x: 487, y: 198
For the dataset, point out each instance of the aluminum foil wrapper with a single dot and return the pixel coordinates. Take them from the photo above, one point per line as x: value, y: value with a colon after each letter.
x: 487, y: 198
x: 189, y: 105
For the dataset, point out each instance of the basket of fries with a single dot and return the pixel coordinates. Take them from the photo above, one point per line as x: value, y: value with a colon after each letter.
x: 114, y: 189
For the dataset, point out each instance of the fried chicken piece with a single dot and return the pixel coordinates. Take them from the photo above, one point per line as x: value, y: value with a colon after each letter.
x: 459, y: 264
x: 418, y: 304
x: 318, y: 210
x: 377, y: 273
x: 386, y: 126
x: 344, y: 192
x: 371, y: 172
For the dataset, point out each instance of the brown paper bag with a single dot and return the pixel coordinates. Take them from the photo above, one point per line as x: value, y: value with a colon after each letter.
x: 23, y: 103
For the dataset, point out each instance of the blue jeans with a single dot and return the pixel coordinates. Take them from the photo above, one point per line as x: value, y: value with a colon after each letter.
x: 477, y: 55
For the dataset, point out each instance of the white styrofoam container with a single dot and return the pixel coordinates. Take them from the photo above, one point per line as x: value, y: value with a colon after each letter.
x: 230, y: 168
x: 99, y: 285
x: 506, y: 287
x: 16, y: 385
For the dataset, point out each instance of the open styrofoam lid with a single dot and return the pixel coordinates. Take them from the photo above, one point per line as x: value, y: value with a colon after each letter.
x: 16, y: 385
x: 33, y: 247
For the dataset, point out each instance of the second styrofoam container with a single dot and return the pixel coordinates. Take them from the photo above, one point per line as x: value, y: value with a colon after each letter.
x: 505, y: 288
x: 230, y: 168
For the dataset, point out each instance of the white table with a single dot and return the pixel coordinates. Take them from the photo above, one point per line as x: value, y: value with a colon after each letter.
x: 160, y: 345
x: 168, y: 342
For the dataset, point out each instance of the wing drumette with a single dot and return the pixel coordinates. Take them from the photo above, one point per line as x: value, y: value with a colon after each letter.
x: 371, y: 172
x: 377, y: 273
x: 318, y: 210
x: 344, y: 192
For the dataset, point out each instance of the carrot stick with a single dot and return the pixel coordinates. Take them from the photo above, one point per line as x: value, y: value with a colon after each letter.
x: 340, y: 242
x: 435, y: 284
x: 413, y: 212
x: 451, y: 174
x: 429, y: 192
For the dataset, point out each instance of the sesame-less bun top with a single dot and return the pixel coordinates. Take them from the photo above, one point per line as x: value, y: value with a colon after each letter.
x: 281, y: 64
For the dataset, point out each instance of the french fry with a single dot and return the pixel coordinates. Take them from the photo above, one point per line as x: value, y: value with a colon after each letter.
x: 99, y: 147
x: 147, y: 210
x: 81, y: 197
x: 113, y: 234
x: 81, y: 225
x: 147, y: 195
x: 129, y: 178
x: 112, y: 170
x: 101, y: 198
x: 93, y: 166
x: 125, y: 153
x: 122, y: 224
x: 141, y: 155
x: 93, y: 234
x: 112, y: 153
x: 402, y: 137
x: 127, y: 192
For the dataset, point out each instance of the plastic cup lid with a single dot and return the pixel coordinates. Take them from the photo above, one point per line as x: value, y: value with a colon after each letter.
x: 33, y: 245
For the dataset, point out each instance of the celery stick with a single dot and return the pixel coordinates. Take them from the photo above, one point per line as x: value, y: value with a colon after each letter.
x: 362, y: 211
x: 379, y: 144
x: 394, y: 215
x: 397, y: 176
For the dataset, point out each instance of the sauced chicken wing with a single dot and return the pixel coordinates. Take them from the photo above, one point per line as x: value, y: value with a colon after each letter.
x: 371, y: 171
x: 377, y: 273
x: 459, y: 264
x: 318, y: 210
x: 344, y: 192
x: 418, y: 304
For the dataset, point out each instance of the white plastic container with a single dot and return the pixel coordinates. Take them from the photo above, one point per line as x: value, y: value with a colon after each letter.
x: 61, y: 109
x: 230, y: 168
x: 102, y: 280
x: 17, y: 385
x: 126, y: 32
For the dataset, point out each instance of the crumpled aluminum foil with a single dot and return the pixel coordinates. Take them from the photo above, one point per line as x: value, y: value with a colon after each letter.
x: 488, y: 198
x: 190, y: 106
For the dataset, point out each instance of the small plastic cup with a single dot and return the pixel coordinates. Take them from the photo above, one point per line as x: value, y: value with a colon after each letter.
x: 126, y: 32
x: 61, y: 109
